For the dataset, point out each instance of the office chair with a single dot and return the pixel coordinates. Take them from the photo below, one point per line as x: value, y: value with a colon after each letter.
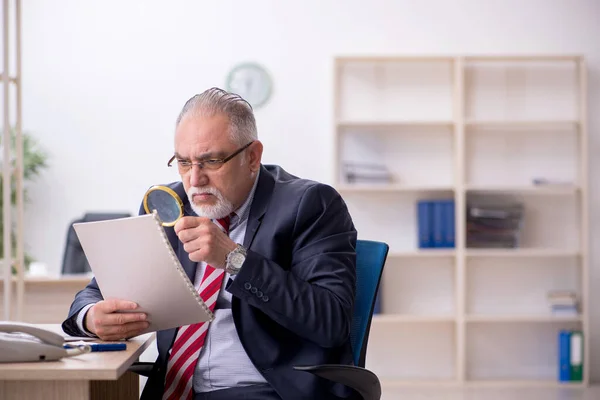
x: 370, y: 260
x: 74, y: 259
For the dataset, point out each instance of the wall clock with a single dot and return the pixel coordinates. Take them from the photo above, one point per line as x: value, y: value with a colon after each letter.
x: 252, y: 82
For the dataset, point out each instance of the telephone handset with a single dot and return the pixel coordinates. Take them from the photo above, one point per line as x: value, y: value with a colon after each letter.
x: 22, y: 342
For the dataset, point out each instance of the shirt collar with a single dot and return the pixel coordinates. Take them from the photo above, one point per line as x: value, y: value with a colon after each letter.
x: 243, y: 212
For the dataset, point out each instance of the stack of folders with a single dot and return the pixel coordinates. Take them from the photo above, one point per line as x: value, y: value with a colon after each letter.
x: 563, y: 303
x: 435, y: 223
x: 494, y: 225
x: 366, y: 173
x: 570, y: 356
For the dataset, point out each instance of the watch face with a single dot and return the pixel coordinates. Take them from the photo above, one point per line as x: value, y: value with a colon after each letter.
x: 237, y: 260
x: 252, y: 82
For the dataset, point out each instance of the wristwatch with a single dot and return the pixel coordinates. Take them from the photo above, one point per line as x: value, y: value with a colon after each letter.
x: 235, y: 260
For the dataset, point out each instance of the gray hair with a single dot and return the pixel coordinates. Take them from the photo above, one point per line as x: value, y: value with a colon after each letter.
x: 215, y: 101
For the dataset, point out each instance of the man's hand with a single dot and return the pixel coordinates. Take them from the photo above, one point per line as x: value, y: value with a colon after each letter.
x: 204, y: 241
x: 104, y: 320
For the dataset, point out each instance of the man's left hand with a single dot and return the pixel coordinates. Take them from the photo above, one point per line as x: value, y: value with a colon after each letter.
x: 204, y: 241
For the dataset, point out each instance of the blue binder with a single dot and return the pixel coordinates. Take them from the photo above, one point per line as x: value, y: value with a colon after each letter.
x: 564, y: 356
x: 439, y: 223
x: 449, y: 224
x: 425, y: 224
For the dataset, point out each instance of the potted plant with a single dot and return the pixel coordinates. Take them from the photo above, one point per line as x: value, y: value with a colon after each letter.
x: 34, y: 161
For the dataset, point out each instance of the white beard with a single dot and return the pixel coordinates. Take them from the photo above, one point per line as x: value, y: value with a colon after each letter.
x: 220, y: 209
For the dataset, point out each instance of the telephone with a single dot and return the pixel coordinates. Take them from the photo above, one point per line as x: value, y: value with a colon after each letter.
x: 22, y: 342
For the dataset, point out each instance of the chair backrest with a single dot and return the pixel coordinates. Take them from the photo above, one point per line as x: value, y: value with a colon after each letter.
x: 370, y: 260
x: 74, y: 259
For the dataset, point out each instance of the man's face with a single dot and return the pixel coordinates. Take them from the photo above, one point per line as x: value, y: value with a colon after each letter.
x: 214, y: 193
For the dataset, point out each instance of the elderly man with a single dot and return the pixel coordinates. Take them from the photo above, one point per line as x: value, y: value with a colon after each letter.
x: 273, y: 254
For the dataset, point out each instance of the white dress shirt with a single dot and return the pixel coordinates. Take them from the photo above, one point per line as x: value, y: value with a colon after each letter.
x: 223, y: 362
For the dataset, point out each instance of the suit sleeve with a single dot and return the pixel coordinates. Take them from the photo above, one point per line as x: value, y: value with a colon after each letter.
x: 89, y: 295
x: 315, y: 297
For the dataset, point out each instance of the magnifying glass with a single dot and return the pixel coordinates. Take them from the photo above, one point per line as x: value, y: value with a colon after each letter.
x: 165, y: 202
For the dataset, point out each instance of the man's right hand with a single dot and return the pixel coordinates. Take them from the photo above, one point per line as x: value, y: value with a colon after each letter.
x: 105, y: 321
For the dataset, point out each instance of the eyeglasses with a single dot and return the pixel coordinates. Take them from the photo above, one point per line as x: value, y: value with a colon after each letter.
x: 212, y: 164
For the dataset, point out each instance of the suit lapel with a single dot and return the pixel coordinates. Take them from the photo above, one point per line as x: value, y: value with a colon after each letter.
x: 260, y: 203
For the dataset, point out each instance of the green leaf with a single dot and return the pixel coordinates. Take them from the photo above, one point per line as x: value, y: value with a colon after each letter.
x: 34, y: 162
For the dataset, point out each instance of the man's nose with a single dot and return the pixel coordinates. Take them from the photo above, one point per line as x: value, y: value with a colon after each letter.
x: 197, y: 176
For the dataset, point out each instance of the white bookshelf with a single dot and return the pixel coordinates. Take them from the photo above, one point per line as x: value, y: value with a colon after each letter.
x: 460, y: 128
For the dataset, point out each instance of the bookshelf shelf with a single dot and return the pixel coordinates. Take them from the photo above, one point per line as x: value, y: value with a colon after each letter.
x: 522, y: 253
x: 515, y: 383
x: 519, y: 126
x: 386, y: 59
x: 369, y: 188
x: 466, y: 130
x: 521, y: 318
x: 427, y: 253
x: 542, y: 190
x: 399, y: 318
x: 400, y: 125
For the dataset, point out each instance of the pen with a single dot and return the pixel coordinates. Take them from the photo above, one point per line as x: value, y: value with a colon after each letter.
x: 103, y: 346
x: 108, y: 346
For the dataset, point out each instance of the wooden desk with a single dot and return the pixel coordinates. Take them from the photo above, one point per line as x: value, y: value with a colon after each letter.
x: 97, y: 375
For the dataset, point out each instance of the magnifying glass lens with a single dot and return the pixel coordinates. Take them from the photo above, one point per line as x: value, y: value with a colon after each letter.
x: 166, y: 203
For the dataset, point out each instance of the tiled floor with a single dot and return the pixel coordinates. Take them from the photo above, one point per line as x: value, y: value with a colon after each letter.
x: 432, y: 393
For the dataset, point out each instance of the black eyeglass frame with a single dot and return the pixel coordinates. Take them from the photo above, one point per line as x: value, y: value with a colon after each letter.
x: 217, y: 161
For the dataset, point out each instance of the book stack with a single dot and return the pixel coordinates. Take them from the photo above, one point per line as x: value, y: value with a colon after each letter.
x: 563, y: 303
x: 366, y: 173
x: 494, y: 225
x: 435, y: 223
x: 570, y: 356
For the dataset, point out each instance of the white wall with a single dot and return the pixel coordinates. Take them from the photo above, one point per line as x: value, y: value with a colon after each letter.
x: 103, y: 82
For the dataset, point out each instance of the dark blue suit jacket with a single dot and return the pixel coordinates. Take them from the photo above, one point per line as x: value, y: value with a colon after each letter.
x: 301, y: 256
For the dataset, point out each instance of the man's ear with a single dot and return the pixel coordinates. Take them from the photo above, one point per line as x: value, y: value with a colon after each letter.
x: 255, y: 155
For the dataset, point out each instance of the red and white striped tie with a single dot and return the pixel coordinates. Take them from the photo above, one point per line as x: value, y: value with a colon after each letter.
x: 190, y: 338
